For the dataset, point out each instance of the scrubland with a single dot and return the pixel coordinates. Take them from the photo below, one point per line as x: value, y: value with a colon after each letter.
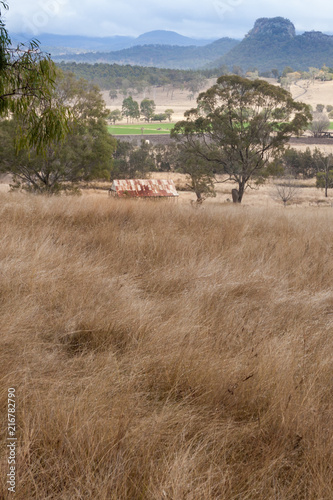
x: 160, y: 351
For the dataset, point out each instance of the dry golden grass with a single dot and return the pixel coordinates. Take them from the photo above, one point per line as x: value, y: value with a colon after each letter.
x: 317, y: 92
x: 162, y: 352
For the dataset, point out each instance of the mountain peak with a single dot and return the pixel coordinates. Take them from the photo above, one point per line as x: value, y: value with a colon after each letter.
x: 164, y: 37
x: 277, y: 27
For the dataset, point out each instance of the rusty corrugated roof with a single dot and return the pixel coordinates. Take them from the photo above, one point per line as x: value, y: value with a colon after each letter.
x: 144, y: 188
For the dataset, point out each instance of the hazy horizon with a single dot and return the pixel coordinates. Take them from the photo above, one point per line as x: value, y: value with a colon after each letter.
x: 215, y: 19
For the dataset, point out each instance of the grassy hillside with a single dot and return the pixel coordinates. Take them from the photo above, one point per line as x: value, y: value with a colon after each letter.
x: 160, y: 351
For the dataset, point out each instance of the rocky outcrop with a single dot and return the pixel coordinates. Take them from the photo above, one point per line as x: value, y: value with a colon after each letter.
x: 277, y: 27
x: 317, y: 36
x: 273, y: 43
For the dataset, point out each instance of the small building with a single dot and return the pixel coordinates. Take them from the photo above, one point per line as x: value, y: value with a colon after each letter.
x: 143, y: 188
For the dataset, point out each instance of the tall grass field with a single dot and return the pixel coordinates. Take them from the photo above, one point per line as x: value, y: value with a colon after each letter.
x: 160, y: 351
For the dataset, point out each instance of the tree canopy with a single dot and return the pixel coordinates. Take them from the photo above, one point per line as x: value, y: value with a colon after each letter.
x: 26, y: 89
x: 239, y: 126
x: 130, y: 108
x: 169, y: 112
x: 85, y: 153
x: 132, y: 162
x: 147, y: 108
x: 115, y: 116
x: 324, y: 165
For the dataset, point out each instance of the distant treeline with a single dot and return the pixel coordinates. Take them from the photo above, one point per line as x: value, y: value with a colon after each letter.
x: 115, y: 76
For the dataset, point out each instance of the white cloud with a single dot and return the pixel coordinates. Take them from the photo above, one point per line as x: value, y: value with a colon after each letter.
x: 211, y: 18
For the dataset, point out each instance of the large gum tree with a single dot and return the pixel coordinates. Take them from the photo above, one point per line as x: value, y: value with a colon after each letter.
x: 83, y: 155
x: 27, y: 79
x: 239, y: 126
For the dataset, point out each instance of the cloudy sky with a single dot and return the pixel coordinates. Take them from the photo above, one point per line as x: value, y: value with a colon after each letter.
x: 195, y: 18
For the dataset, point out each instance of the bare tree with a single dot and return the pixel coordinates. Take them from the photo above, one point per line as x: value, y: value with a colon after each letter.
x: 320, y: 124
x: 285, y: 190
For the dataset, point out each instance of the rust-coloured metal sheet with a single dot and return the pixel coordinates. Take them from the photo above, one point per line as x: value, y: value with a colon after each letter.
x: 143, y: 188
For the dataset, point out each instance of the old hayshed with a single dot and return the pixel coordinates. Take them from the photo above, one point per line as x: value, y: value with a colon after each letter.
x: 143, y: 188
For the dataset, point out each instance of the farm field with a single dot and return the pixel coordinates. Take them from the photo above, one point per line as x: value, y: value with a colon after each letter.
x: 162, y: 351
x: 148, y: 129
x: 316, y: 92
x: 136, y: 129
x: 178, y: 100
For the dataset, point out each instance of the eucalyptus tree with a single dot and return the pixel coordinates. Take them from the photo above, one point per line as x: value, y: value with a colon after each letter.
x: 130, y: 108
x: 324, y: 166
x: 147, y: 109
x: 27, y: 78
x: 239, y: 126
x: 84, y: 154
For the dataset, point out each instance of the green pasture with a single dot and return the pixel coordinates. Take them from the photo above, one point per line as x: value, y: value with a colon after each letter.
x: 148, y: 128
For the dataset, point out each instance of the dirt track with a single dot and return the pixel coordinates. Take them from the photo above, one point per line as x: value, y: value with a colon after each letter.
x: 311, y: 141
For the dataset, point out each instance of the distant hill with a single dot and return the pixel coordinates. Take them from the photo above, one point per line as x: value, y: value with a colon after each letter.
x: 159, y: 56
x: 65, y: 44
x: 273, y: 43
x: 162, y: 37
x: 69, y: 44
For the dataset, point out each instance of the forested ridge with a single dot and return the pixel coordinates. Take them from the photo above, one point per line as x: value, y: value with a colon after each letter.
x: 112, y: 75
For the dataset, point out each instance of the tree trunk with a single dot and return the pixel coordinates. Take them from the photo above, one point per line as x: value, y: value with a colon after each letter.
x: 241, y: 189
x: 237, y: 194
x: 199, y: 197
